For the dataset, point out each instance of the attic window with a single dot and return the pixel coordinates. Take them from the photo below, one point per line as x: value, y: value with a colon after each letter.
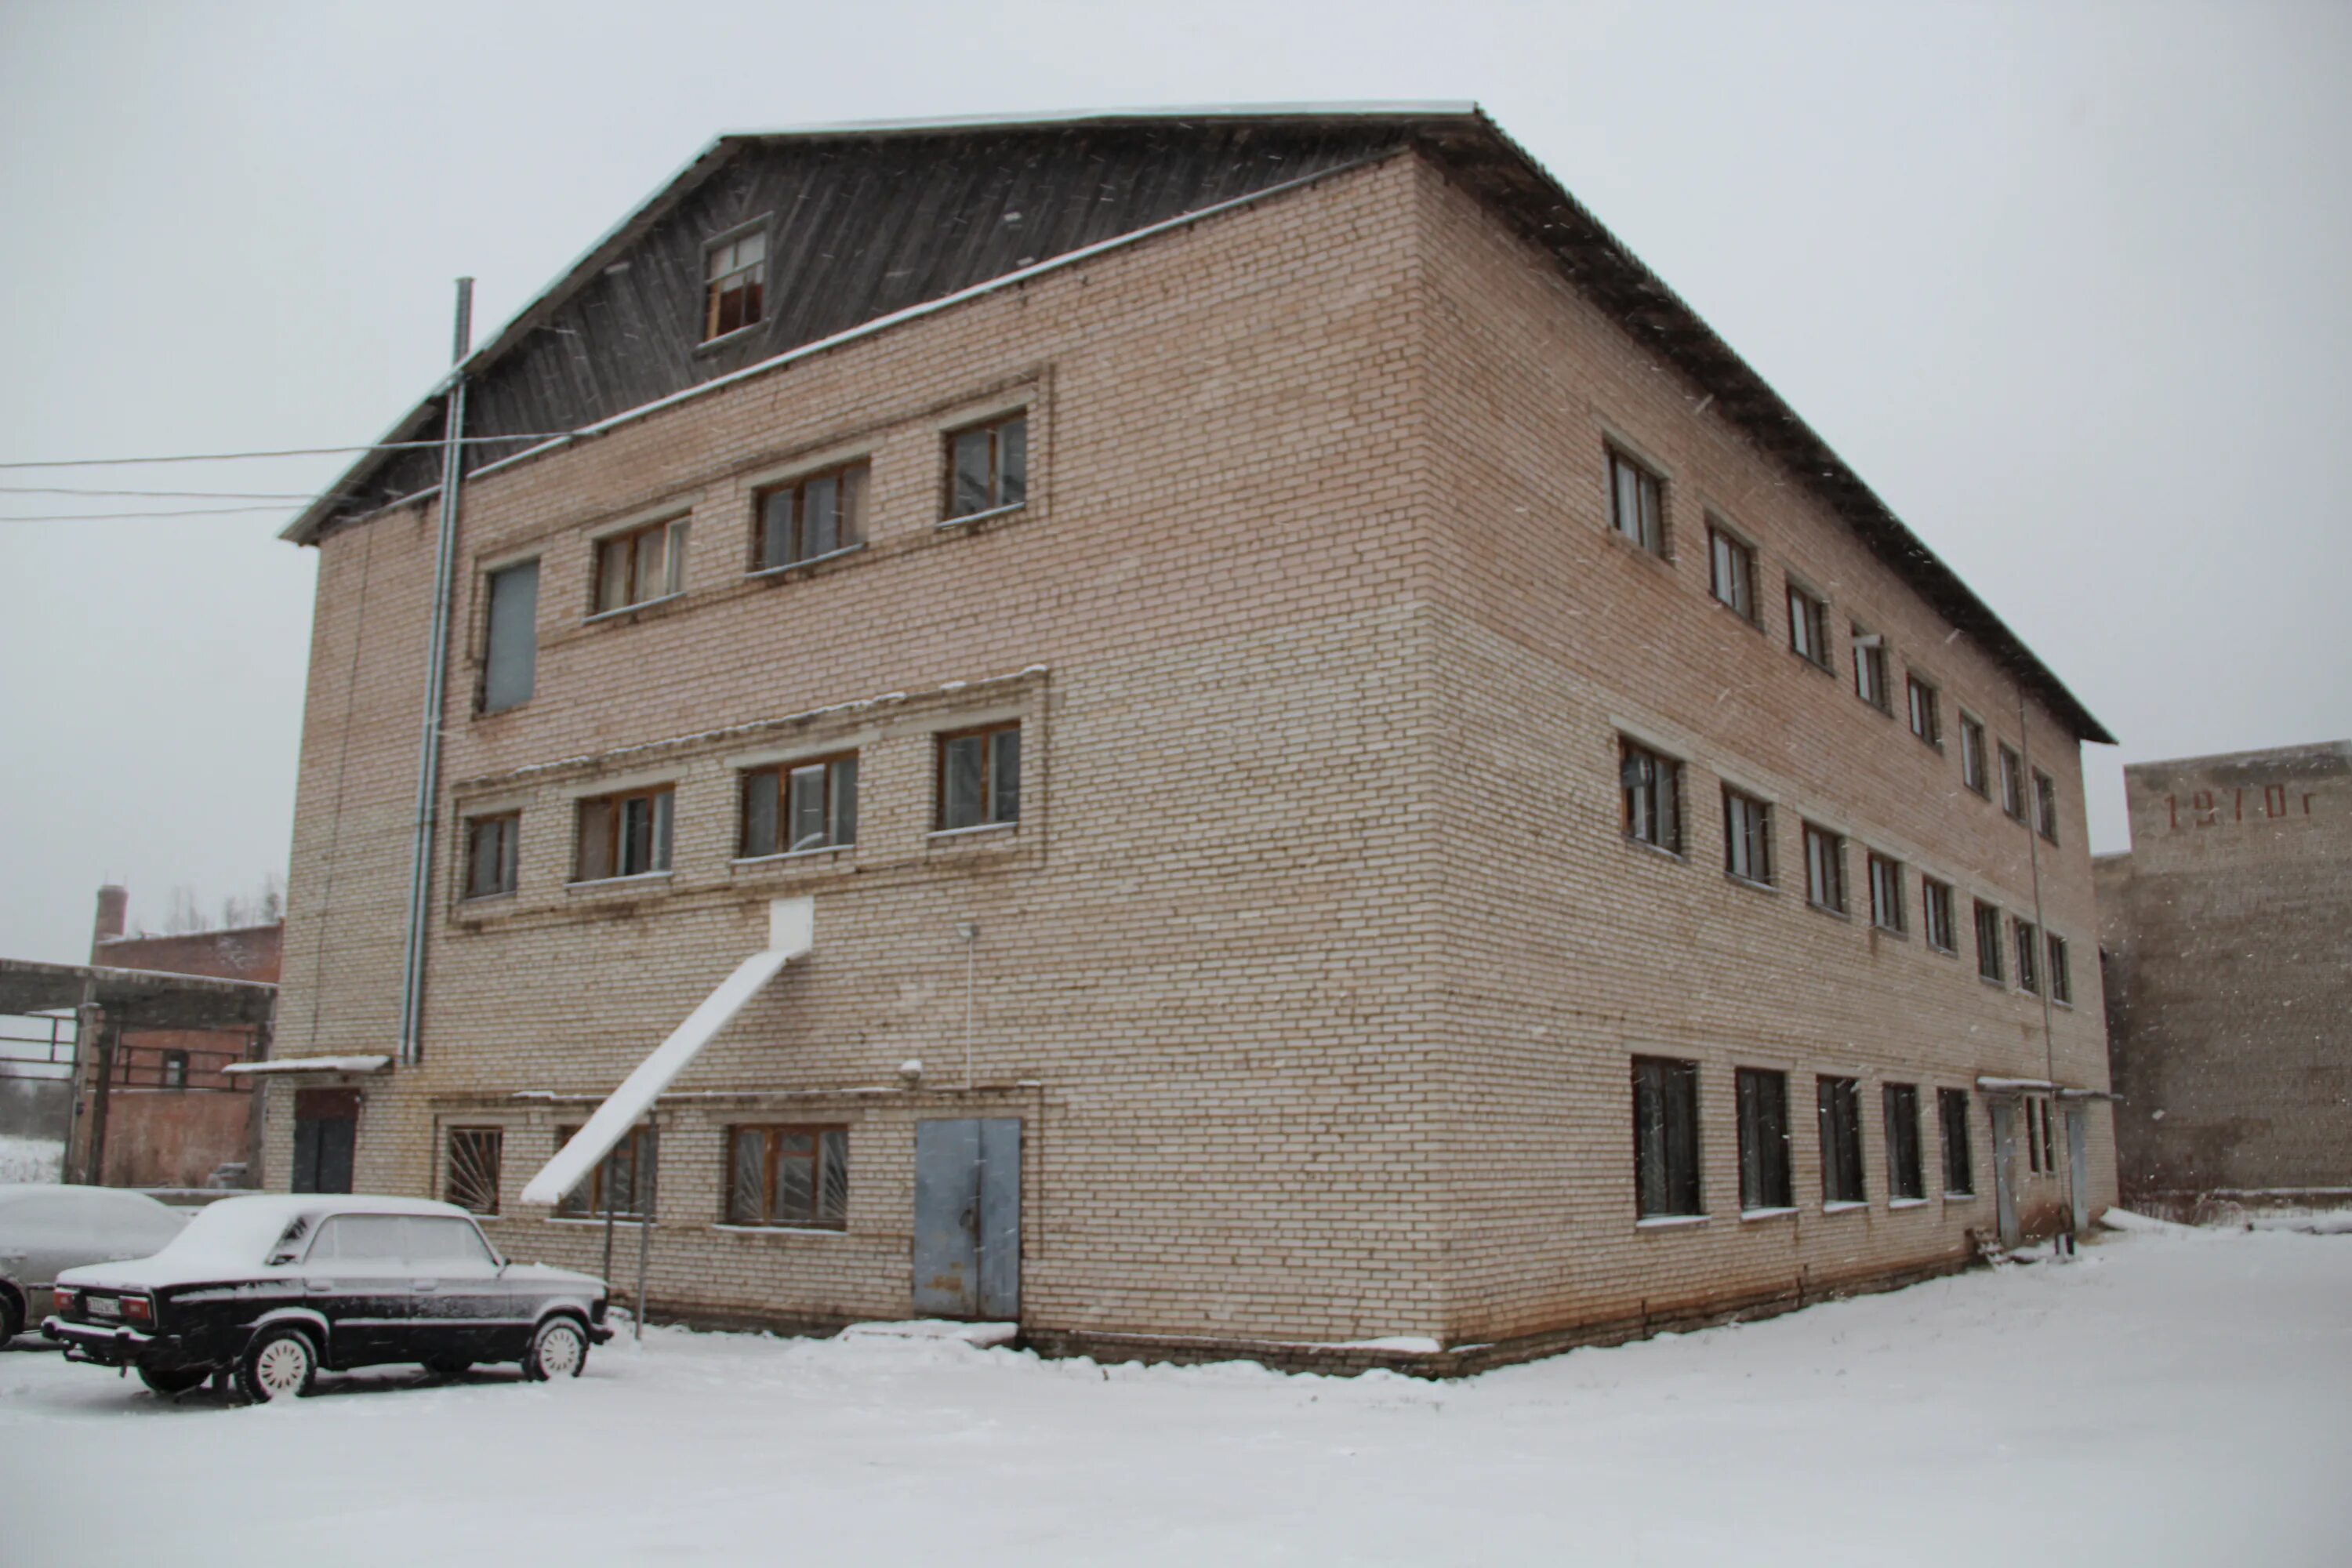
x: 735, y: 277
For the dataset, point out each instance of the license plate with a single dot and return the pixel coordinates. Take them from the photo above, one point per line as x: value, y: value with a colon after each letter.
x: 105, y: 1307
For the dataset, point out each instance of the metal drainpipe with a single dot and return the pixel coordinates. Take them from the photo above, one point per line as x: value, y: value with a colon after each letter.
x: 2033, y: 803
x: 437, y: 662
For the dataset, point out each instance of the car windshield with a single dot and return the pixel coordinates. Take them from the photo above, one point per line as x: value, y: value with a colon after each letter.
x: 230, y: 1233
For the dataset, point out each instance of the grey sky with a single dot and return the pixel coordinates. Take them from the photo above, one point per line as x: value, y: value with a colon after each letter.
x: 2066, y: 284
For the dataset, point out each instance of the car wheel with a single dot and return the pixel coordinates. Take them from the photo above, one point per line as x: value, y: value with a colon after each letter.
x: 560, y: 1349
x: 279, y: 1363
x: 173, y: 1379
x: 12, y: 1317
x: 448, y: 1365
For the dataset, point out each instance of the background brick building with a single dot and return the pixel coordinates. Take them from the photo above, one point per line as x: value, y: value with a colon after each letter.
x: 1401, y: 586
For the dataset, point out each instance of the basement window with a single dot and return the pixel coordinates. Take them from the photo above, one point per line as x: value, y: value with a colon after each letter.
x: 1905, y: 1182
x: 980, y: 777
x: 1763, y: 1098
x: 734, y: 284
x: 470, y: 1173
x: 492, y: 853
x: 1637, y: 506
x: 798, y: 806
x: 624, y: 834
x: 624, y: 1177
x: 1652, y: 785
x: 1952, y: 1110
x: 1839, y: 1103
x: 812, y: 518
x: 788, y: 1175
x: 640, y: 566
x: 1665, y: 1137
x: 988, y: 466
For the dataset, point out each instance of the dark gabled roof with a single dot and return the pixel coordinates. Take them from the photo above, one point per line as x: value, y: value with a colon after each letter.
x: 1075, y: 180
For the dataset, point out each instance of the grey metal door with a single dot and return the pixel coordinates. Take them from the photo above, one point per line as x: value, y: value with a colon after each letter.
x: 968, y: 1218
x: 2078, y: 1163
x: 2004, y: 1170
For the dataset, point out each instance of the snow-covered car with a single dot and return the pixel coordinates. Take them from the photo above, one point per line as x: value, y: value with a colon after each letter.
x: 270, y: 1290
x: 46, y: 1229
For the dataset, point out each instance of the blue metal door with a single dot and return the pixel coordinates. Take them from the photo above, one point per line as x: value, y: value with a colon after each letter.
x: 968, y: 1218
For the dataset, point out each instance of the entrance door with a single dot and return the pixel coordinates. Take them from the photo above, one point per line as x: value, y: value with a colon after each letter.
x: 968, y: 1218
x: 2004, y: 1169
x: 2078, y: 1162
x: 326, y: 1127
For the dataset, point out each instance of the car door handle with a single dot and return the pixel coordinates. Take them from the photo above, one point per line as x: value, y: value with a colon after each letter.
x: 424, y: 1284
x: 319, y: 1287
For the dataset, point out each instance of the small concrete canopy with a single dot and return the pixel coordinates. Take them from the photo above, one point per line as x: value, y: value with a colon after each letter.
x: 136, y: 999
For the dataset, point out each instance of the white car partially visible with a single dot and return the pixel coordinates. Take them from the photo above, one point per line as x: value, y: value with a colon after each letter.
x: 47, y: 1229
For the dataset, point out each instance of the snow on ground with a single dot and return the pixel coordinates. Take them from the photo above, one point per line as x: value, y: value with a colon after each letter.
x: 28, y: 1158
x: 2170, y: 1398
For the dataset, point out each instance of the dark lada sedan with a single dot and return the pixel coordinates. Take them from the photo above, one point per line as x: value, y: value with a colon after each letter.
x: 271, y: 1290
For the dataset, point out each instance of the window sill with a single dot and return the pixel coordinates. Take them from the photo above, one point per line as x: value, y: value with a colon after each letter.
x: 2056, y: 1003
x: 1670, y: 1221
x: 1897, y: 932
x: 1995, y: 981
x: 483, y: 903
x: 1660, y: 850
x: 1942, y: 951
x: 1881, y: 712
x: 821, y: 853
x: 1745, y: 619
x: 617, y: 884
x: 1854, y: 1206
x: 947, y: 836
x: 1906, y: 1203
x: 1748, y: 1215
x: 987, y: 514
x: 707, y: 345
x: 791, y: 569
x: 602, y: 617
x: 1750, y: 883
x: 1960, y: 1197
x: 483, y: 715
x: 725, y: 1230
x: 1835, y: 914
x: 1809, y: 662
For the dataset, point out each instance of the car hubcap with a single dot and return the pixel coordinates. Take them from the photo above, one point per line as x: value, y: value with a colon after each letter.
x: 282, y: 1367
x: 559, y: 1353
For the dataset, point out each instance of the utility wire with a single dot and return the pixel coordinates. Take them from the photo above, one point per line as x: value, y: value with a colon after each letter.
x: 157, y: 495
x: 115, y: 516
x: 292, y: 452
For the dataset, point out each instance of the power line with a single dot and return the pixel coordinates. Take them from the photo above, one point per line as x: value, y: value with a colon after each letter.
x: 115, y: 516
x: 290, y: 452
x: 157, y: 495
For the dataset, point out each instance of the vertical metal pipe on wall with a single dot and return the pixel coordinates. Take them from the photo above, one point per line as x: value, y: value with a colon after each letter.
x: 2033, y: 803
x: 436, y: 670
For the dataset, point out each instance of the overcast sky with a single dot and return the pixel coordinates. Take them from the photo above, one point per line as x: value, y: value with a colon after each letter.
x: 2066, y: 284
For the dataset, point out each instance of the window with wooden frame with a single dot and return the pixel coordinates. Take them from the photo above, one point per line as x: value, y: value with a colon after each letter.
x: 469, y: 1170
x: 734, y: 283
x: 2040, y: 1157
x: 1838, y: 1103
x: 988, y: 466
x: 640, y: 566
x: 2062, y: 972
x: 625, y: 1178
x: 1973, y: 772
x: 1927, y: 716
x: 1764, y: 1182
x: 1886, y: 911
x: 1988, y: 963
x: 810, y: 517
x: 1637, y: 505
x: 2048, y: 1155
x: 2012, y: 783
x: 794, y: 807
x: 510, y: 637
x: 1809, y: 626
x: 2028, y: 957
x: 1747, y: 837
x: 1936, y: 914
x: 788, y: 1175
x: 1870, y: 667
x: 1732, y: 572
x: 1824, y: 869
x: 1652, y: 785
x: 1952, y: 1111
x: 2045, y: 804
x: 1665, y: 1138
x: 980, y: 777
x: 1905, y: 1179
x: 493, y: 853
x: 624, y: 834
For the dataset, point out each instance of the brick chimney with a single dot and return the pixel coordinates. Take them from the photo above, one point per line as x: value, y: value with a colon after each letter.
x: 113, y: 903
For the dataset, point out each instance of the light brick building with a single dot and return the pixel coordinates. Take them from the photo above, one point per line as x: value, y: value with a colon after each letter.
x: 1389, y: 590
x: 2227, y: 933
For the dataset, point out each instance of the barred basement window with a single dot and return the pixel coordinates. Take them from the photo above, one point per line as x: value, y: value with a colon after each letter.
x: 1989, y: 942
x: 734, y: 283
x: 2062, y: 972
x: 1927, y: 717
x: 2029, y: 966
x: 1637, y: 507
x: 1904, y: 1178
x: 980, y: 777
x: 624, y: 1177
x: 2012, y: 783
x: 1665, y: 1137
x: 811, y: 517
x: 1652, y: 785
x: 988, y: 466
x: 788, y: 1175
x: 510, y: 636
x: 1731, y: 568
x: 1936, y: 913
x: 1886, y: 894
x: 1809, y: 627
x: 1747, y: 837
x: 492, y: 853
x: 1952, y: 1110
x: 640, y: 566
x: 1973, y: 773
x: 2045, y: 804
x: 1824, y: 869
x: 800, y: 805
x: 470, y: 1176
x: 625, y: 835
x: 1870, y: 667
x: 1763, y: 1098
x: 1839, y: 1102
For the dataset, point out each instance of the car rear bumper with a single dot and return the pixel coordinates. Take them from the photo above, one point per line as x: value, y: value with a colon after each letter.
x: 104, y: 1346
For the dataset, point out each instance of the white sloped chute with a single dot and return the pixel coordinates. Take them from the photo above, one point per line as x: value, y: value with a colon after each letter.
x: 792, y: 931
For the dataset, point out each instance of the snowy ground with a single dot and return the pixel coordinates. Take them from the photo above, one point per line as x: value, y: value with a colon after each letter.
x: 28, y: 1158
x: 2171, y: 1397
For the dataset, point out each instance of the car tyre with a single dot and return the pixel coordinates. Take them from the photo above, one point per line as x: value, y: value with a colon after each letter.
x: 168, y: 1380
x: 559, y: 1349
x: 279, y: 1363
